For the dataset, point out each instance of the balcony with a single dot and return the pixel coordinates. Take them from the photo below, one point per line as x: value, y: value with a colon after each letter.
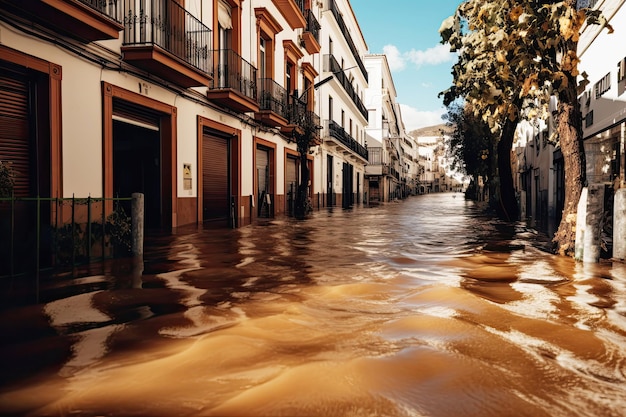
x: 272, y: 104
x: 374, y: 165
x: 300, y: 119
x: 344, y: 29
x: 85, y: 20
x: 234, y: 82
x: 336, y: 133
x: 292, y: 11
x: 331, y: 65
x: 311, y: 34
x: 163, y: 38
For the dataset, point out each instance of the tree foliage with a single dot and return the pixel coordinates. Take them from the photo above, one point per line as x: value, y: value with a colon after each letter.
x: 515, y: 54
x: 470, y: 143
x: 509, y: 53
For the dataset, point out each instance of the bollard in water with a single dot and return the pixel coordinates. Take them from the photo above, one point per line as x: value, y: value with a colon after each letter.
x: 619, y: 224
x: 137, y: 217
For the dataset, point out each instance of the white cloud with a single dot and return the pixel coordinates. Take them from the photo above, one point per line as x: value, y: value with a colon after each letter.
x: 432, y: 56
x: 414, y: 119
x: 394, y: 58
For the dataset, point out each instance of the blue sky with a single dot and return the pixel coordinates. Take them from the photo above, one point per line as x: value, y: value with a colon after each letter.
x: 407, y: 31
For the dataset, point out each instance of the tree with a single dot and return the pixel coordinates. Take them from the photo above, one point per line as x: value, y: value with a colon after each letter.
x: 516, y: 54
x: 306, y: 135
x: 470, y: 143
x: 304, y: 140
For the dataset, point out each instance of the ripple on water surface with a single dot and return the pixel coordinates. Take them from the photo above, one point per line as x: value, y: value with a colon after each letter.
x: 420, y: 308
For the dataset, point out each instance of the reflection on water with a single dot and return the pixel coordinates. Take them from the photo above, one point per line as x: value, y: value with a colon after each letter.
x: 421, y: 308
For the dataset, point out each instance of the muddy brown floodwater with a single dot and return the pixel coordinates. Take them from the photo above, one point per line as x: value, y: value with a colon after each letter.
x: 419, y: 308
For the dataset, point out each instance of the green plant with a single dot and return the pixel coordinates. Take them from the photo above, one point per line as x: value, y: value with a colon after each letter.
x: 7, y: 179
x: 119, y: 230
x: 70, y: 244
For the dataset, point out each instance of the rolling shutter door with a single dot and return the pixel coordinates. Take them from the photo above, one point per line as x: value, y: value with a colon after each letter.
x: 215, y: 177
x: 262, y: 167
x: 291, y: 176
x: 131, y: 113
x: 14, y: 128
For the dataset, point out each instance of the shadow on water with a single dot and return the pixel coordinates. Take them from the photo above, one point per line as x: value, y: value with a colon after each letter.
x: 426, y: 307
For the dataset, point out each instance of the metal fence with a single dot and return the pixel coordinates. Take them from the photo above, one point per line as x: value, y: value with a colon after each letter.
x: 38, y: 234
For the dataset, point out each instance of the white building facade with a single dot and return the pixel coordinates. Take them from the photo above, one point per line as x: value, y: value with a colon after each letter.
x: 384, y: 143
x: 193, y: 104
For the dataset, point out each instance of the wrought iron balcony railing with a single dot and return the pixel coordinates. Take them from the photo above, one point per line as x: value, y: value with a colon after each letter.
x: 300, y: 4
x: 272, y: 97
x: 234, y: 72
x: 114, y: 9
x: 375, y: 155
x: 299, y: 115
x: 331, y: 65
x: 344, y: 29
x: 166, y: 24
x: 312, y: 25
x: 338, y: 132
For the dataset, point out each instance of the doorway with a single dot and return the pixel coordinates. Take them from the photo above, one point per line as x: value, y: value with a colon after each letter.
x: 216, y: 198
x: 137, y: 167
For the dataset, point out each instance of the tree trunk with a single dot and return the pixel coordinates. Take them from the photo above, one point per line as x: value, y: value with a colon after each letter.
x: 301, y: 207
x: 569, y: 128
x: 508, y: 207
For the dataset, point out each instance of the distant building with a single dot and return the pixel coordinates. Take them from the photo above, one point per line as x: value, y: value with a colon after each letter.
x: 383, y: 133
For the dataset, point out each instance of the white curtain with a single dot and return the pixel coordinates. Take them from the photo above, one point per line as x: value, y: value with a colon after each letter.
x: 224, y: 15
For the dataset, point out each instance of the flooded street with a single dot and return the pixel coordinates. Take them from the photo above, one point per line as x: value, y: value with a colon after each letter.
x: 418, y: 308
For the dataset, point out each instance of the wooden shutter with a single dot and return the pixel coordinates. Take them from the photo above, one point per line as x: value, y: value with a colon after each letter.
x: 14, y: 128
x: 215, y: 178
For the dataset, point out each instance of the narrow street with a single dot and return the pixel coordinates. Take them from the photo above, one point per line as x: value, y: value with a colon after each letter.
x: 423, y: 307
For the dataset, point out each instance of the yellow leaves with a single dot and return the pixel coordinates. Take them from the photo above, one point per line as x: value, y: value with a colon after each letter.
x: 566, y: 28
x: 447, y: 27
x: 515, y: 14
x: 581, y: 17
x: 560, y: 80
x: 531, y: 82
x: 500, y: 57
x: 483, y: 15
x: 513, y: 113
x: 570, y: 62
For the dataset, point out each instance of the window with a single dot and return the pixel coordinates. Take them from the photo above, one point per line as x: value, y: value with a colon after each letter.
x: 289, y: 77
x: 589, y: 119
x: 268, y: 27
x: 292, y: 55
x: 603, y: 85
x: 371, y: 117
x: 262, y: 61
x: 330, y: 46
x: 343, y: 119
x: 621, y: 77
x: 621, y: 70
x: 330, y: 108
x: 308, y: 93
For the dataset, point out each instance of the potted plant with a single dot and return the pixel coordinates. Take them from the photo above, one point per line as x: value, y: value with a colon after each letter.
x: 7, y: 180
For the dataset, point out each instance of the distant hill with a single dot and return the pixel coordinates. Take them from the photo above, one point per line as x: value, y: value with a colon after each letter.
x: 431, y: 130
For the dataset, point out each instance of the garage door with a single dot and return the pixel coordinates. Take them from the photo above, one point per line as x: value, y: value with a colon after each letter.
x: 215, y: 178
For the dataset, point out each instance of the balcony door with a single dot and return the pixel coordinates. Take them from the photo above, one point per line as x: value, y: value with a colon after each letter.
x: 224, y: 41
x: 291, y: 182
x: 347, y: 186
x: 329, y: 180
